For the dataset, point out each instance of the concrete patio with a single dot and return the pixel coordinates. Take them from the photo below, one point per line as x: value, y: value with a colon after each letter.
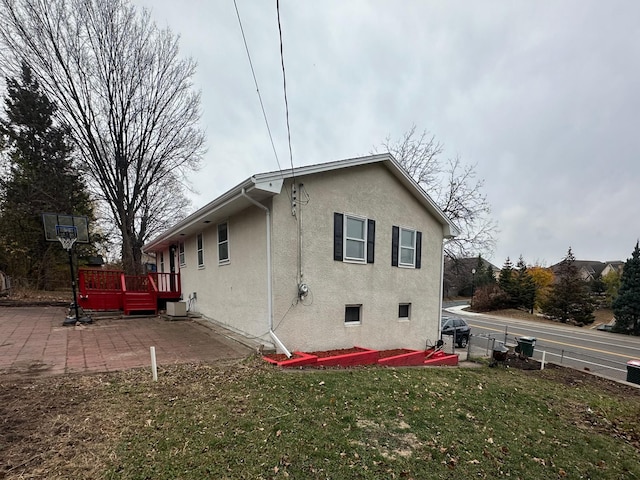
x: 33, y: 341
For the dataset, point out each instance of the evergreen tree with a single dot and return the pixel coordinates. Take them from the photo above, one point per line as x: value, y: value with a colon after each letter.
x: 525, y: 286
x: 507, y: 283
x: 569, y: 297
x: 484, y: 273
x: 39, y: 178
x: 626, y: 307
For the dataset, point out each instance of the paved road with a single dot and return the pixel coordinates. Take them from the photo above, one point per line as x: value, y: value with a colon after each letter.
x: 604, y: 353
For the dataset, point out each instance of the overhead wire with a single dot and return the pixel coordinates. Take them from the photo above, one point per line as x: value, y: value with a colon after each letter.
x: 284, y: 84
x: 255, y: 81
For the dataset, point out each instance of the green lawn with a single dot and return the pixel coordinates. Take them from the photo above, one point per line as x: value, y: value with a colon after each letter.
x: 251, y: 420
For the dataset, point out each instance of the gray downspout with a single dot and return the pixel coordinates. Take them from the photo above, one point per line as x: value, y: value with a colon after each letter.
x: 269, y: 275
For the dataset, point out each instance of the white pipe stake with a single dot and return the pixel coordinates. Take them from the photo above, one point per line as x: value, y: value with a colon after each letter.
x: 544, y: 354
x: 154, y: 366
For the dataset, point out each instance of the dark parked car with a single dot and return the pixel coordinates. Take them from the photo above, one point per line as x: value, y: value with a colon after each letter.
x: 458, y: 328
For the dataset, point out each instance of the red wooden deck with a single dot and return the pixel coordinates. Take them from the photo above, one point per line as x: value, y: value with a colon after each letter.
x: 113, y: 290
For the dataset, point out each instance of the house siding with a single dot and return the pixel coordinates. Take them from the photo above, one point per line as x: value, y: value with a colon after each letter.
x: 318, y: 322
x: 234, y: 294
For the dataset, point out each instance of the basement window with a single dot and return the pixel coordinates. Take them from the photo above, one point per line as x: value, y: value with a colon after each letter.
x: 352, y: 314
x: 404, y: 311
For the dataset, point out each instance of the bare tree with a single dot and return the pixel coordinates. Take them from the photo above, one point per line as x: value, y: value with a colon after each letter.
x: 126, y: 96
x: 453, y: 186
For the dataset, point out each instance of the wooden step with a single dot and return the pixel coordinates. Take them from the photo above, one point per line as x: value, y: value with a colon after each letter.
x: 139, y: 302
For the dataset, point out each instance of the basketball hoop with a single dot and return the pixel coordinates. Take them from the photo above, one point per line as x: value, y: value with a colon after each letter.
x: 67, y: 236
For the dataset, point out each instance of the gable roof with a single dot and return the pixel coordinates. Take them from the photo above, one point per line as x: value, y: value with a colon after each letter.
x: 592, y: 268
x: 261, y: 186
x: 466, y: 264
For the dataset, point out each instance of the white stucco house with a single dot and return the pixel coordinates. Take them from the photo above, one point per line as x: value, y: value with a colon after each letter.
x: 334, y: 255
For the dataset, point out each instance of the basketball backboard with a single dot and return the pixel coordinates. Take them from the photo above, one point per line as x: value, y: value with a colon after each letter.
x: 55, y: 223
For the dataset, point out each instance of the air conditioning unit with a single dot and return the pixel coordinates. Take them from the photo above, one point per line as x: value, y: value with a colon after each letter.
x: 177, y: 309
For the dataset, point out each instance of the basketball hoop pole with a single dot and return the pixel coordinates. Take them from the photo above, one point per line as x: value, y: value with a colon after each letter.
x: 68, y: 229
x: 73, y: 283
x: 67, y: 237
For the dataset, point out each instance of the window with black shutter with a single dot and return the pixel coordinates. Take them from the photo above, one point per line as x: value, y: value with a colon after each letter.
x: 353, y: 238
x: 406, y: 247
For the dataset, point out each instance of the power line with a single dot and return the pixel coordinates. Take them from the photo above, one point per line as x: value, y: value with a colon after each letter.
x: 255, y: 81
x: 284, y: 82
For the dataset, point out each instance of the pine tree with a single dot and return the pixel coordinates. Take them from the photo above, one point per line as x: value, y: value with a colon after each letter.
x: 569, y: 297
x: 525, y: 286
x: 626, y: 307
x: 40, y: 178
x: 507, y: 283
x: 484, y: 273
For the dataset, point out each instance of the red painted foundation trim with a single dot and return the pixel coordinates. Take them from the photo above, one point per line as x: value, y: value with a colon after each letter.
x: 363, y: 356
x: 408, y: 358
x: 298, y: 359
x: 441, y: 358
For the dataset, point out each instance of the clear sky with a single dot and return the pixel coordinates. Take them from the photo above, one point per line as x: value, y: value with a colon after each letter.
x: 544, y: 97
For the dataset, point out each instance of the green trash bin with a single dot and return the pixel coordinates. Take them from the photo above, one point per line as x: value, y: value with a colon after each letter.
x: 525, y: 346
x: 633, y: 371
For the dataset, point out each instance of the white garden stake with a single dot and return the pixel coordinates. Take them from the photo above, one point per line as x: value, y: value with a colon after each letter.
x: 154, y: 366
x: 544, y: 354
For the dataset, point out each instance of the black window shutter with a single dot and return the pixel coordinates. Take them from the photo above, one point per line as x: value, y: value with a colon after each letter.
x: 395, y: 240
x: 338, y: 225
x: 371, y: 240
x: 418, y: 249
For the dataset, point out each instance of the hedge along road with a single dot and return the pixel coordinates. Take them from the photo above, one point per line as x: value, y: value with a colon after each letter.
x: 599, y: 352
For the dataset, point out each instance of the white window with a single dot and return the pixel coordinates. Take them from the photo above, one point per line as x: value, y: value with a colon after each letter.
x: 223, y: 243
x: 355, y: 239
x: 161, y: 262
x: 181, y: 254
x: 353, y: 314
x: 200, y: 251
x: 407, y: 248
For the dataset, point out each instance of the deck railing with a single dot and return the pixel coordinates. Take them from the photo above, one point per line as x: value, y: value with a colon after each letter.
x: 136, y: 283
x: 99, y: 280
x: 166, y: 282
x: 104, y: 289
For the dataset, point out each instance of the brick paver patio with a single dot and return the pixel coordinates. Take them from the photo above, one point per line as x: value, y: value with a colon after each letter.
x: 33, y: 341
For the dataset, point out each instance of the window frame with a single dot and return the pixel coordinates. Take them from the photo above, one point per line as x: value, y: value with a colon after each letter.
x: 346, y: 238
x: 408, y: 315
x: 396, y: 249
x: 200, y: 249
x: 161, y: 262
x: 227, y: 260
x: 181, y: 255
x: 353, y: 322
x: 403, y: 247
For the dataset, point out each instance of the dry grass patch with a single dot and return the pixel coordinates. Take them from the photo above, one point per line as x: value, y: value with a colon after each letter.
x: 248, y: 419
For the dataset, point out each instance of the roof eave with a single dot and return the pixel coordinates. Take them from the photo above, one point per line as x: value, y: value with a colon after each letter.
x: 266, y: 188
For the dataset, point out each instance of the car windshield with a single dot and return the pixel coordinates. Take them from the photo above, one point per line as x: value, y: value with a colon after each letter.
x: 444, y: 321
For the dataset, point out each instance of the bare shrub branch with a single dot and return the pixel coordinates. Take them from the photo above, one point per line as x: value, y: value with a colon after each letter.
x: 453, y: 186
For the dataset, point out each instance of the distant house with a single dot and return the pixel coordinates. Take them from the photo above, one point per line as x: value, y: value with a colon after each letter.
x: 459, y: 277
x: 614, y: 266
x: 321, y: 257
x: 589, y: 270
